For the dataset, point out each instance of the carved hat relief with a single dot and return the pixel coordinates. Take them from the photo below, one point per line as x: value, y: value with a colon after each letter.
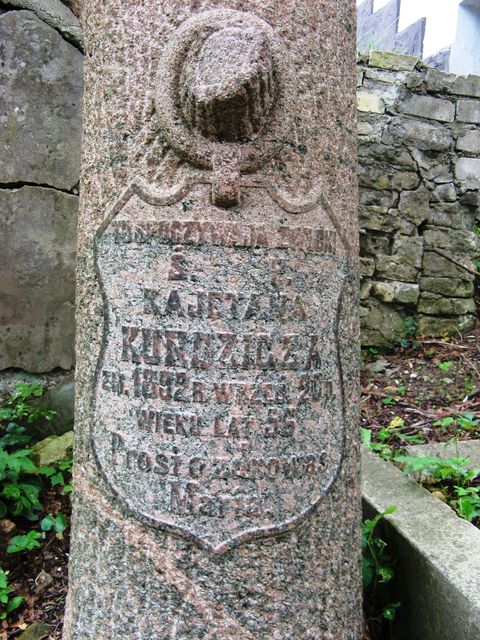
x: 221, y: 86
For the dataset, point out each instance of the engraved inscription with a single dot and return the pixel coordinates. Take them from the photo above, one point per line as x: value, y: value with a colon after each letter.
x: 219, y: 406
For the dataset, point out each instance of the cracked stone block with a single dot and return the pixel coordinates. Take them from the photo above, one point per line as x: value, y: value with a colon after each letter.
x: 452, y: 287
x: 381, y: 325
x: 422, y: 135
x: 414, y: 205
x: 400, y: 292
x: 370, y: 102
x: 437, y: 305
x: 438, y: 266
x: 438, y: 326
x: 405, y: 261
x: 445, y: 193
x: 455, y: 241
x: 429, y: 107
x: 37, y: 265
x: 468, y: 111
x: 469, y: 141
x: 40, y: 103
x: 467, y: 170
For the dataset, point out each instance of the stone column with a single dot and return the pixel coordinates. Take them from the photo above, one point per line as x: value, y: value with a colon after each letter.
x: 217, y: 489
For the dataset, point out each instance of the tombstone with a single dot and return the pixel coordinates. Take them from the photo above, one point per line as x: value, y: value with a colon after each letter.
x: 217, y: 488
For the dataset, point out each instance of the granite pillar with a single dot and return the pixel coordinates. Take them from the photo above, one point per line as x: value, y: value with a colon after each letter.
x: 216, y: 472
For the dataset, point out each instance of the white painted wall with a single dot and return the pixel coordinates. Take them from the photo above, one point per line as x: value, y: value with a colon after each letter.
x: 465, y: 56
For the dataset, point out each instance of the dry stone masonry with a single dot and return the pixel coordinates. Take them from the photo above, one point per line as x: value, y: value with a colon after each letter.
x: 419, y: 177
x: 216, y: 481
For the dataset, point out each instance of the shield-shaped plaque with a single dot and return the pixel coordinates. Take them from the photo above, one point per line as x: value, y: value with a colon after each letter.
x: 218, y: 402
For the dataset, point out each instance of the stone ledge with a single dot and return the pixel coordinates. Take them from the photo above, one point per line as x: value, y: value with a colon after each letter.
x: 392, y: 61
x: 438, y: 571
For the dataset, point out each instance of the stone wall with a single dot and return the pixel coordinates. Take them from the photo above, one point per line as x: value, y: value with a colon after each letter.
x: 419, y: 175
x: 40, y: 127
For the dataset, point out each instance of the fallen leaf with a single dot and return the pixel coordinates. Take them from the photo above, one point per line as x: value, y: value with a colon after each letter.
x: 42, y: 581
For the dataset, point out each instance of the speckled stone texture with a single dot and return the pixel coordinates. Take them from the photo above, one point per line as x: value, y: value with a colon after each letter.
x: 217, y: 477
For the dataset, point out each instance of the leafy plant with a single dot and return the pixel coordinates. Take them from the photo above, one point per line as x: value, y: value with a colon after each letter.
x: 60, y: 474
x: 25, y: 542
x: 19, y: 488
x: 18, y: 410
x: 468, y: 421
x: 446, y: 365
x: 444, y: 422
x: 432, y: 469
x: 410, y: 325
x: 58, y: 523
x: 378, y: 570
x: 8, y: 603
x: 468, y: 502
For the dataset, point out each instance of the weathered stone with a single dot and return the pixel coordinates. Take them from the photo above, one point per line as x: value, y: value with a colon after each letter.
x: 440, y: 174
x: 400, y: 292
x: 375, y: 218
x: 438, y: 81
x: 393, y: 61
x: 437, y: 326
x: 433, y: 304
x: 440, y: 60
x: 469, y: 141
x: 37, y: 257
x: 75, y: 6
x: 40, y: 103
x: 451, y: 215
x: 56, y: 15
x: 364, y: 128
x: 467, y: 86
x: 374, y: 244
x: 405, y: 180
x: 445, y: 193
x: 467, y: 170
x: 436, y: 265
x: 367, y: 266
x: 468, y: 111
x: 422, y: 135
x: 52, y: 450
x: 378, y: 198
x: 365, y: 289
x: 429, y: 107
x: 405, y: 261
x: 448, y: 287
x: 36, y: 631
x: 470, y: 199
x: 388, y: 77
x: 414, y: 205
x: 220, y: 497
x: 381, y: 325
x: 457, y: 241
x: 370, y: 102
x: 60, y: 398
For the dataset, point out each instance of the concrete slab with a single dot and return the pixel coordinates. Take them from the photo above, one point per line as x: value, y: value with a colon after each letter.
x: 438, y: 569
